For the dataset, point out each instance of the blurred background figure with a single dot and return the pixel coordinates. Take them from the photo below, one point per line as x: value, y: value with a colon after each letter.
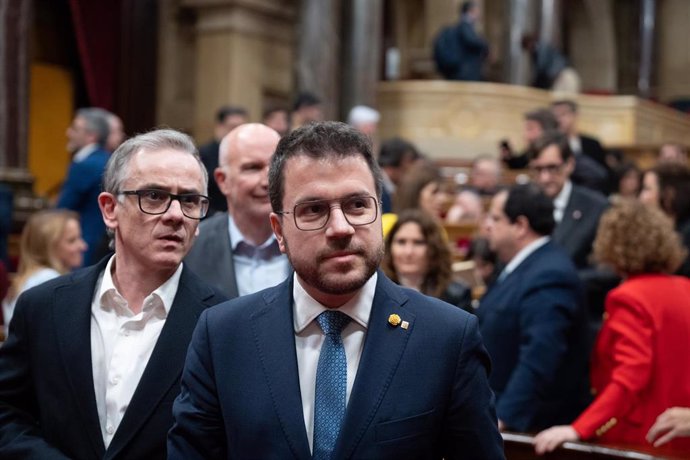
x: 467, y: 207
x: 628, y: 181
x: 667, y: 186
x: 417, y: 256
x: 117, y: 132
x: 486, y: 264
x: 277, y: 118
x: 537, y: 123
x: 364, y: 119
x: 673, y: 153
x: 552, y: 70
x: 485, y: 175
x: 423, y: 187
x: 51, y: 245
x: 86, y: 139
x: 306, y: 108
x: 396, y: 157
x: 636, y: 372
x: 228, y: 118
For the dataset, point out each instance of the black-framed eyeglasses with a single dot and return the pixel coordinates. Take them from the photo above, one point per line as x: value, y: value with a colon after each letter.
x: 314, y: 215
x: 153, y: 201
x: 549, y: 168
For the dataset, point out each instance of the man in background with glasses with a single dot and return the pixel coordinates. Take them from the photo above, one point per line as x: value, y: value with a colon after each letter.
x: 337, y: 361
x: 93, y: 359
x: 236, y: 251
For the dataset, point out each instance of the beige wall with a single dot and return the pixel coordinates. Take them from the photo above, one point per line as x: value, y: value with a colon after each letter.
x: 673, y: 64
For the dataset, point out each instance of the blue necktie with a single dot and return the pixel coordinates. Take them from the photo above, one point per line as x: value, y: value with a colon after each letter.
x: 331, y: 384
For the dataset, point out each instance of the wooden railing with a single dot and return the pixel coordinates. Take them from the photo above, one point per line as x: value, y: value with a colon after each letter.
x: 519, y: 446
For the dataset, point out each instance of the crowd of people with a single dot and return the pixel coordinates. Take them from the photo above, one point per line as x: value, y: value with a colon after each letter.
x: 343, y: 325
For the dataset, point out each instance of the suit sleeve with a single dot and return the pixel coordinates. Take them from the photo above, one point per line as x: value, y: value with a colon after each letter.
x: 471, y: 39
x: 472, y: 428
x: 75, y: 186
x: 630, y: 333
x: 546, y: 317
x: 20, y: 433
x: 198, y: 431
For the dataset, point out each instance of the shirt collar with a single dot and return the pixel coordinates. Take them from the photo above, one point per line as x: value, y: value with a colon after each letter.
x: 306, y: 308
x: 84, y: 152
x: 525, y: 253
x: 110, y: 297
x: 561, y: 200
x: 236, y: 237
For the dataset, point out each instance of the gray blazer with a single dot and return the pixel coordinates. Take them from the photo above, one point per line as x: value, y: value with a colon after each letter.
x: 211, y: 255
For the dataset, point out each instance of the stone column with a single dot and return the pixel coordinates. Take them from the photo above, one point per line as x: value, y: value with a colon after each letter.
x: 362, y: 60
x: 647, y: 20
x: 15, y: 19
x: 244, y: 54
x: 319, y: 51
x: 517, y: 65
x: 551, y: 22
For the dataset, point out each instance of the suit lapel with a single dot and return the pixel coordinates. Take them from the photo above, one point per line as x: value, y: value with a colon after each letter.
x: 165, y: 365
x: 383, y: 348
x: 72, y: 319
x: 275, y: 341
x: 565, y: 226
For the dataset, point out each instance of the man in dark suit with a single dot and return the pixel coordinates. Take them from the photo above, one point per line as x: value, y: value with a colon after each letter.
x: 93, y: 359
x: 532, y: 319
x: 337, y: 360
x: 591, y: 167
x: 237, y: 251
x: 86, y: 138
x: 396, y: 156
x: 228, y: 118
x: 577, y: 210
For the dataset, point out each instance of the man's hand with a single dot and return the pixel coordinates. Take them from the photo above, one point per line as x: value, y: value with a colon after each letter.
x: 671, y: 423
x: 551, y: 438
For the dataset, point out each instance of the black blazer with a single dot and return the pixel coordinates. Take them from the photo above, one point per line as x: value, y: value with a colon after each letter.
x: 47, y: 402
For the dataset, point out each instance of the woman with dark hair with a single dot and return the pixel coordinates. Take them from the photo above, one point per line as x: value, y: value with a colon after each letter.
x: 417, y: 256
x: 628, y: 181
x: 667, y: 186
x: 638, y: 369
x: 423, y: 187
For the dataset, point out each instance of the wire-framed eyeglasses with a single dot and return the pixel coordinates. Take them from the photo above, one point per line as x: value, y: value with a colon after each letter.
x: 153, y: 201
x: 314, y: 215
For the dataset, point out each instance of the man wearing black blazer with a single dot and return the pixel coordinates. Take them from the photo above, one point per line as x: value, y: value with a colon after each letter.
x: 93, y: 359
x: 577, y: 210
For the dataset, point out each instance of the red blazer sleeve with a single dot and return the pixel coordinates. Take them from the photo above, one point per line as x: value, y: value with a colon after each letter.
x: 622, y: 365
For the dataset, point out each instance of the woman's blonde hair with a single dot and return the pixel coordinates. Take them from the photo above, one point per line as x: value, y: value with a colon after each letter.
x: 635, y: 238
x: 38, y: 244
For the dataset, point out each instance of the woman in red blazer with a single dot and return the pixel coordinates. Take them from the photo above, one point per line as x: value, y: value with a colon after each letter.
x: 639, y: 364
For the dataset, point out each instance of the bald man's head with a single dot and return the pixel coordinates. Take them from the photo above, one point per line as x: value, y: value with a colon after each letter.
x: 242, y: 174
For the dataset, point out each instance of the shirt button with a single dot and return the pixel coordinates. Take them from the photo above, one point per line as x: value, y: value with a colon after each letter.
x: 115, y: 380
x: 109, y: 429
x: 125, y: 332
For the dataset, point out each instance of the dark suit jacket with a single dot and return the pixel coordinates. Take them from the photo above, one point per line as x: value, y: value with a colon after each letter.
x: 534, y: 327
x: 593, y: 149
x: 578, y: 228
x: 211, y: 255
x: 473, y: 52
x: 209, y: 157
x: 47, y: 402
x: 80, y: 193
x: 420, y: 392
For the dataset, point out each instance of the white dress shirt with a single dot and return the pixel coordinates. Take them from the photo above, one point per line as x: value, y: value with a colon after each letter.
x: 309, y: 337
x: 122, y: 343
x: 84, y: 152
x: 561, y: 201
x: 256, y: 267
x: 522, y: 255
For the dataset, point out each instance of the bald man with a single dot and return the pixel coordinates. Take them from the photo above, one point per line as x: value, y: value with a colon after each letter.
x: 237, y: 251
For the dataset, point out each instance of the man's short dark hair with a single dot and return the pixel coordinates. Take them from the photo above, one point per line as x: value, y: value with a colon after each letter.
x: 466, y: 7
x: 544, y: 118
x: 271, y: 110
x: 305, y: 99
x: 530, y: 201
x: 328, y: 139
x: 572, y: 105
x: 96, y: 121
x: 549, y: 139
x: 229, y: 110
x: 396, y: 150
